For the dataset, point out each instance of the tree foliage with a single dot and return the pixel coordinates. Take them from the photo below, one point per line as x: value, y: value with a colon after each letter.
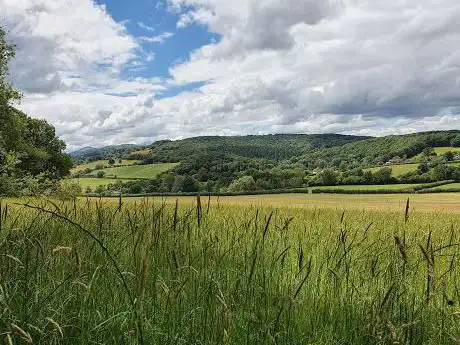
x: 28, y: 147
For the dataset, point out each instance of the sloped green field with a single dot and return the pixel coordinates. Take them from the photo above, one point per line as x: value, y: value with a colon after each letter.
x: 137, y: 171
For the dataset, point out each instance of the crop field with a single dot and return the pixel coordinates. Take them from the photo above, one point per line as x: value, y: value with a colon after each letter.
x: 394, y: 187
x: 421, y: 203
x: 449, y: 186
x: 144, y: 152
x: 93, y: 183
x: 138, y: 171
x: 92, y: 165
x: 149, y: 272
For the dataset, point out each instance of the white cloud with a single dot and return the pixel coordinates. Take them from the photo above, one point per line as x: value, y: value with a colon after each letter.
x: 58, y: 39
x: 370, y: 67
x: 161, y: 38
x: 146, y: 27
x: 358, y: 58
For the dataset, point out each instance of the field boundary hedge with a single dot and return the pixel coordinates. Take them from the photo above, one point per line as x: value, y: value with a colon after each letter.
x: 423, y: 188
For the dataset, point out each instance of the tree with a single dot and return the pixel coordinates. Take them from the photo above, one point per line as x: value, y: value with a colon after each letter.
x: 448, y: 156
x: 190, y: 185
x: 455, y: 141
x: 328, y: 177
x: 428, y: 152
x: 7, y: 92
x: 166, y: 182
x: 100, y: 174
x: 442, y: 172
x: 111, y: 161
x: 243, y: 184
x: 423, y: 168
x: 33, y: 141
x: 383, y: 176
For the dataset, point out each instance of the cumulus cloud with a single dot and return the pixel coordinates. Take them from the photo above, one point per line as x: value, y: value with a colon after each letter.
x: 357, y: 58
x: 58, y: 40
x: 371, y: 67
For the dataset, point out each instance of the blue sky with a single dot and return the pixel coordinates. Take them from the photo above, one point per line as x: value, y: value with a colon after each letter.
x: 152, y: 19
x: 108, y: 72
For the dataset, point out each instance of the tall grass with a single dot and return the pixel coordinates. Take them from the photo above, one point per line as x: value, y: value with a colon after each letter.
x: 86, y: 272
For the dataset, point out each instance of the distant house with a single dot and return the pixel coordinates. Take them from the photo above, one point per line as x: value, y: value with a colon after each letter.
x: 395, y: 160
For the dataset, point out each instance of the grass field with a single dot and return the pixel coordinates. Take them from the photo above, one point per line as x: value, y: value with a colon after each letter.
x: 394, y: 187
x: 447, y: 187
x: 397, y: 170
x: 441, y: 202
x: 401, y: 169
x: 144, y: 152
x: 93, y: 183
x: 92, y: 165
x: 137, y: 171
x: 442, y: 150
x: 95, y: 272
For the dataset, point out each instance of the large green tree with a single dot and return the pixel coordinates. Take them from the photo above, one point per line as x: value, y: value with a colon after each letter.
x: 27, y: 146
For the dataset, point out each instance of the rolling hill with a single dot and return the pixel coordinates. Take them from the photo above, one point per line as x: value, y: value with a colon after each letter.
x: 284, y: 161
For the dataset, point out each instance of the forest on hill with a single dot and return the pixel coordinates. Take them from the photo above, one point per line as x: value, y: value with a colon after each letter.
x: 288, y: 161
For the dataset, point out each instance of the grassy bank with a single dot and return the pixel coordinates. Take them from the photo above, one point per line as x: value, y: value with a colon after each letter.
x: 145, y: 272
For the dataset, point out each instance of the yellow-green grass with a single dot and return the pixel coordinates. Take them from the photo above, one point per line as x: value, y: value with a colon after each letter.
x: 436, y: 202
x: 401, y: 169
x: 95, y: 182
x: 396, y: 170
x: 394, y: 187
x: 144, y: 152
x: 105, y: 162
x: 449, y: 186
x: 144, y: 273
x: 149, y: 171
x: 442, y: 150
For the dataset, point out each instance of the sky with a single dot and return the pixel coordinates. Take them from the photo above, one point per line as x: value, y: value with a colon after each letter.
x: 109, y: 72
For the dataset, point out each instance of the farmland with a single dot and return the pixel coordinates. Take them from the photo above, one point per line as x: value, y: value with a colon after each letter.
x: 231, y: 272
x: 149, y: 171
x: 449, y: 186
x: 394, y: 187
x: 94, y: 164
x: 423, y: 203
x: 144, y: 152
x: 93, y: 183
x: 401, y: 169
x: 443, y: 150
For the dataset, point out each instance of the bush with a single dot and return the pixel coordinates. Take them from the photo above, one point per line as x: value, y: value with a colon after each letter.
x: 245, y: 183
x: 68, y: 190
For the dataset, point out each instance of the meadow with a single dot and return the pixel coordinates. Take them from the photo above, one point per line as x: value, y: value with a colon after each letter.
x: 420, y: 203
x: 144, y: 152
x: 93, y: 182
x: 153, y: 271
x: 445, y: 149
x: 401, y: 169
x: 105, y: 162
x: 149, y: 171
x: 450, y: 186
x: 393, y: 187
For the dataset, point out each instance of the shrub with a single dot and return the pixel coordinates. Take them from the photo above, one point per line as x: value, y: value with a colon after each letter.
x: 68, y: 190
